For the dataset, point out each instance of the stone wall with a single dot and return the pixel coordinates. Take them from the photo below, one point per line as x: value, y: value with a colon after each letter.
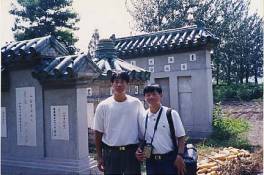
x: 186, y: 78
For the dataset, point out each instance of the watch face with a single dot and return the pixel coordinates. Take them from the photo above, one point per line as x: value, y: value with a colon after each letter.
x: 180, y: 154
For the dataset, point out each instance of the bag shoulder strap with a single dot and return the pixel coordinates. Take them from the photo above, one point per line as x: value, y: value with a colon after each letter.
x: 172, y: 130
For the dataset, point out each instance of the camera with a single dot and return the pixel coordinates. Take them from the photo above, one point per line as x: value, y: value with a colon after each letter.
x: 147, y: 149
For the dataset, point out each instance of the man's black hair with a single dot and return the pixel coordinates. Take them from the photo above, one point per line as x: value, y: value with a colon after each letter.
x: 152, y: 88
x: 121, y: 76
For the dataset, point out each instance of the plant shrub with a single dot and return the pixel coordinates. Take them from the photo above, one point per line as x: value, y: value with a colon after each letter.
x: 243, y: 92
x: 226, y: 127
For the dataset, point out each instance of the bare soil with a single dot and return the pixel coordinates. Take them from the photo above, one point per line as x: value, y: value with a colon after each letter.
x: 253, y: 113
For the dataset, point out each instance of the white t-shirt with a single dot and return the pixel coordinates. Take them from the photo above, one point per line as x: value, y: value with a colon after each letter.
x: 118, y: 121
x: 162, y: 141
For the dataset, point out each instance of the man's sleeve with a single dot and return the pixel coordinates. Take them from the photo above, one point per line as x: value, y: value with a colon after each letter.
x: 99, y: 119
x: 179, y: 129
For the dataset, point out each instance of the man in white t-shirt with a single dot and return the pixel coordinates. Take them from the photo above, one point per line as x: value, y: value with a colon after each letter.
x: 158, y: 150
x: 116, y: 129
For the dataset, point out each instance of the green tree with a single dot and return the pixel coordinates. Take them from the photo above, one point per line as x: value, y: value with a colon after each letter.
x: 93, y: 43
x: 255, y: 47
x: 37, y: 18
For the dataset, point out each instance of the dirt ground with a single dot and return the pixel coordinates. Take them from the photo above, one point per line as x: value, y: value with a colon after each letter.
x: 253, y: 113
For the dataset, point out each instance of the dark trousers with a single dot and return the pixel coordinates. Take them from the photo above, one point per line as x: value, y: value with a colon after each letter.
x: 161, y: 167
x: 121, y: 162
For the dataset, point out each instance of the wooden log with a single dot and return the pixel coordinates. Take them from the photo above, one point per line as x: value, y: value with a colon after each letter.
x: 207, y: 165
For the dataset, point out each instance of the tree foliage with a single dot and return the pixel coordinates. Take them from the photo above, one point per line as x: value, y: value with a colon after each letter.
x: 37, y: 18
x: 239, y: 53
x: 93, y: 43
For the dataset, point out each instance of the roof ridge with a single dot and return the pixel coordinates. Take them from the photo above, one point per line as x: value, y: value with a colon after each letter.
x: 33, y: 45
x: 163, y: 31
x: 164, y: 41
x: 48, y: 36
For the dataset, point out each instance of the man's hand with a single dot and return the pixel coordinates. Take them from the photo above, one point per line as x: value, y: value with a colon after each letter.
x: 100, y: 164
x: 179, y: 163
x: 140, y: 155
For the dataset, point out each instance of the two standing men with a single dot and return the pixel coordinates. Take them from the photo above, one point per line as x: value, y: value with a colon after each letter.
x: 120, y: 122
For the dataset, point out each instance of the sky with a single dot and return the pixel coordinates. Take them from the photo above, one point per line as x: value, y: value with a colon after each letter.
x: 108, y: 16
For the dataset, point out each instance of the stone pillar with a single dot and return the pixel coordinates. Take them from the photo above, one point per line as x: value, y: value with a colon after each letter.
x: 65, y: 137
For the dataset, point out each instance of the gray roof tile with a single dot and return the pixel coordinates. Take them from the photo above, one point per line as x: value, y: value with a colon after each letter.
x: 165, y: 41
x: 63, y: 67
x: 28, y: 48
x: 106, y: 59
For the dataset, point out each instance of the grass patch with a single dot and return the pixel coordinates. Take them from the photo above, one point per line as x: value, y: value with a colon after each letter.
x: 227, y: 132
x: 237, y: 142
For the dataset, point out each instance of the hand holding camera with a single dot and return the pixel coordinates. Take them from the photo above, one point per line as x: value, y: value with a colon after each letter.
x: 140, y: 155
x: 144, y: 152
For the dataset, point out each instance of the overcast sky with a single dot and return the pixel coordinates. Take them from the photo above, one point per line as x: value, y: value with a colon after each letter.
x: 109, y: 16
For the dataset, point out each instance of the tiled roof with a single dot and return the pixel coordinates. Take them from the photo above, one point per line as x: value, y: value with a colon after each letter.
x: 27, y: 49
x: 107, y: 61
x: 109, y: 66
x: 64, y: 67
x: 68, y: 66
x: 164, y: 41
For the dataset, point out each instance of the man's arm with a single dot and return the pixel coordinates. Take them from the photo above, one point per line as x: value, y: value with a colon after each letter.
x: 141, y: 120
x: 181, y: 144
x: 179, y: 162
x: 180, y: 136
x: 98, y: 145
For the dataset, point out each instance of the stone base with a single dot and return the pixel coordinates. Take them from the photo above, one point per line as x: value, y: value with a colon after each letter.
x: 199, y: 134
x: 48, y: 166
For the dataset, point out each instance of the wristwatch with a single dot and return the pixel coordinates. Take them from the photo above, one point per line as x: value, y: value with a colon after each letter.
x: 181, y: 154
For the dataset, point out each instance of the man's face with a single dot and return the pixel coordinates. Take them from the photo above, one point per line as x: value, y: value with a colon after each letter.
x: 153, y: 98
x: 119, y: 86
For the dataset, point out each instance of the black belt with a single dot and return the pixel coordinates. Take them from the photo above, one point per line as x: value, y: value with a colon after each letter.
x: 162, y: 156
x: 120, y: 148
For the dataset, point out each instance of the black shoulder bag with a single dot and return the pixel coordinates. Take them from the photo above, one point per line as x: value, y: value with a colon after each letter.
x: 190, y: 153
